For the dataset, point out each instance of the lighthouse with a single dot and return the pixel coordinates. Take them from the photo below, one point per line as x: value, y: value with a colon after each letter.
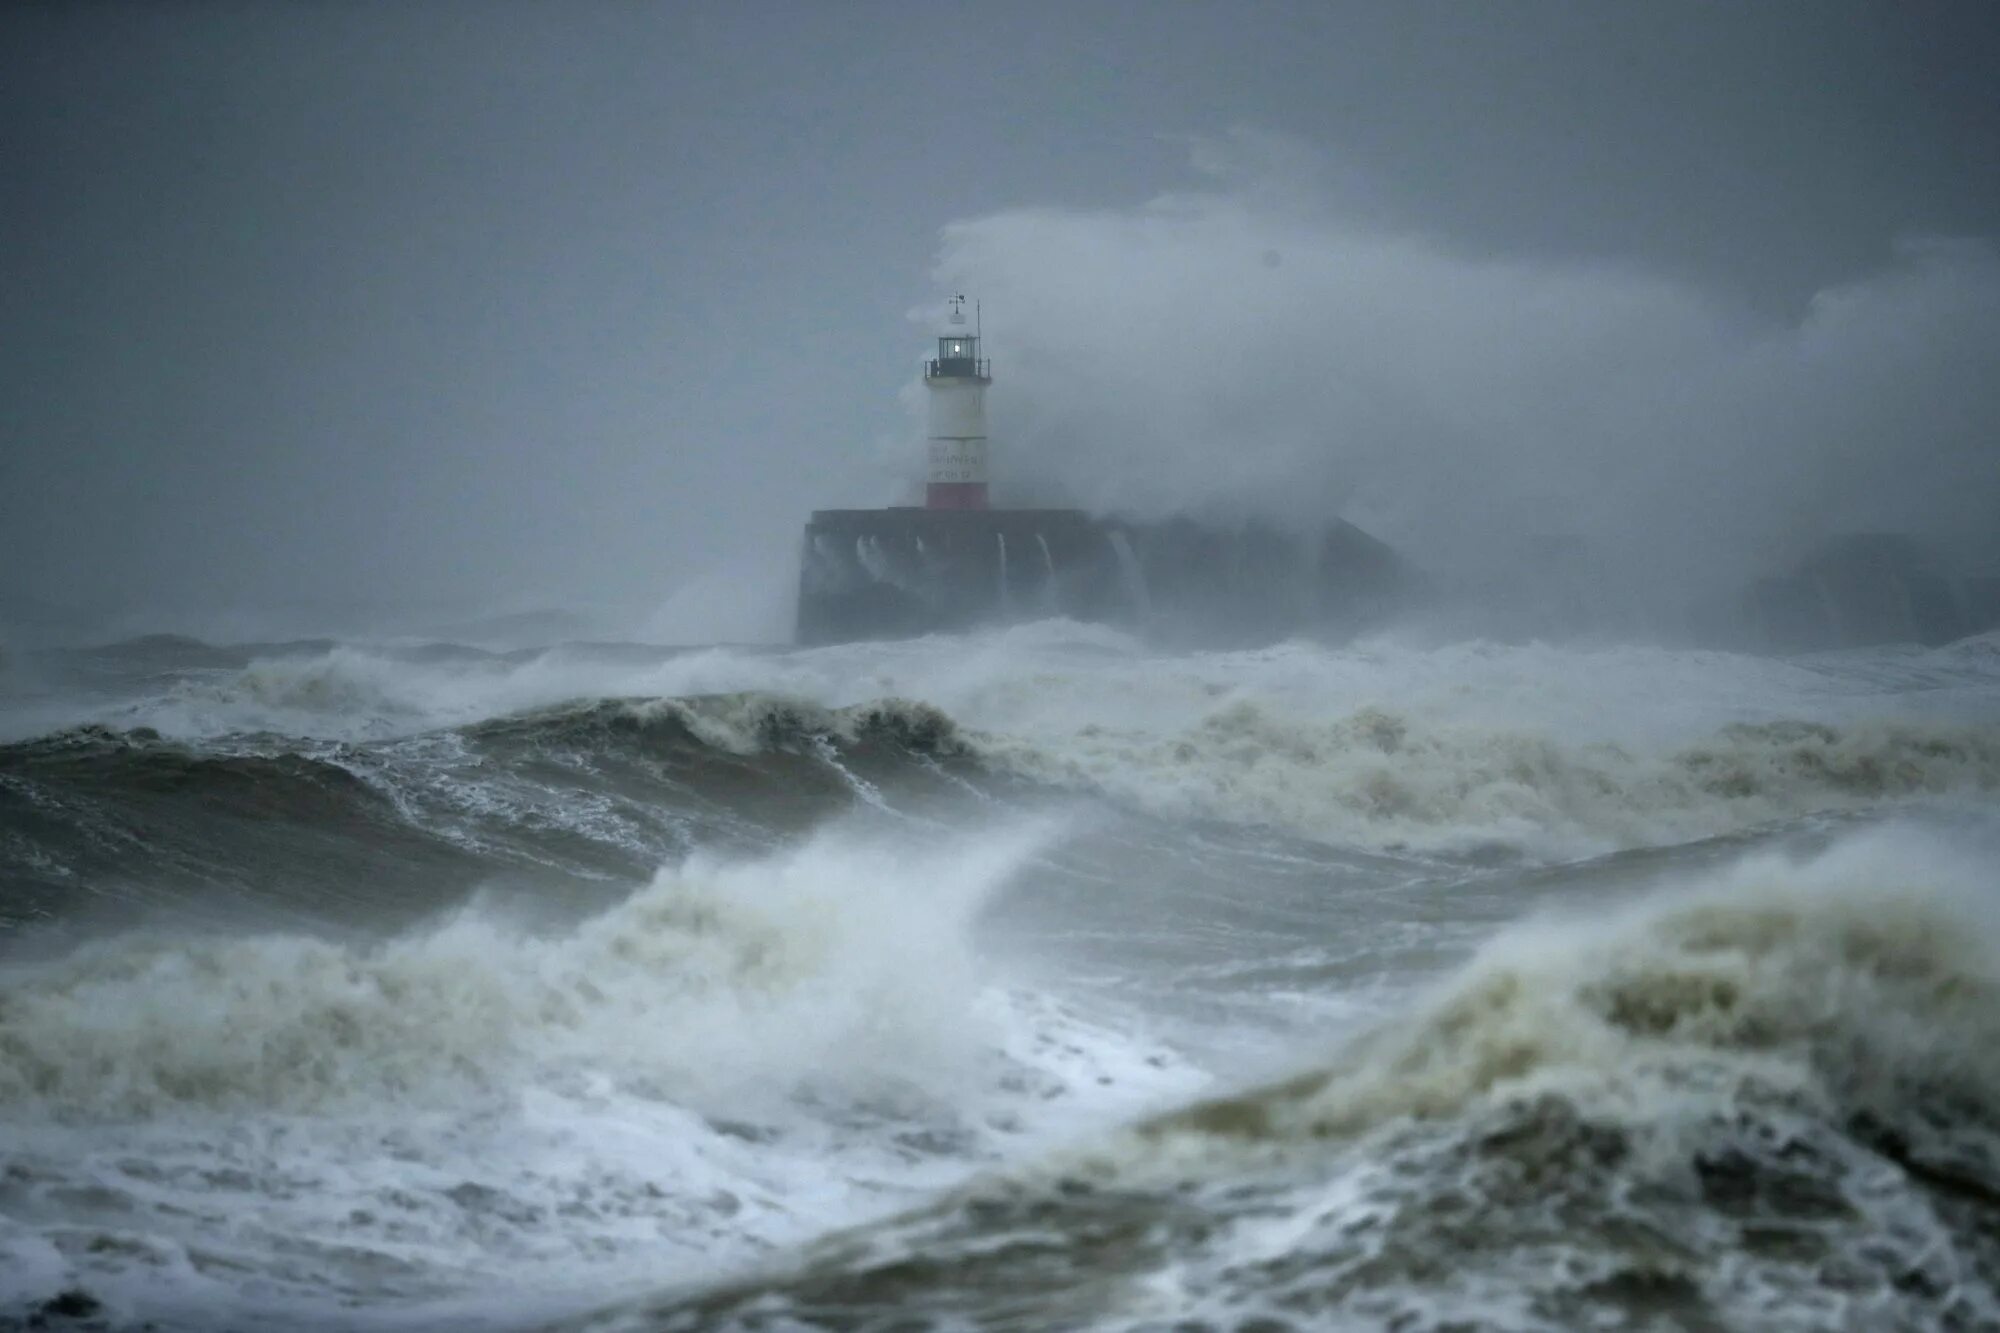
x: 957, y: 378
x: 956, y: 564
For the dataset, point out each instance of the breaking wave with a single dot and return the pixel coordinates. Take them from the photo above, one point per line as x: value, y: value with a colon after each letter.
x: 1386, y: 780
x: 1770, y: 1101
x: 740, y: 724
x: 1866, y: 980
x: 495, y: 1111
x: 840, y: 960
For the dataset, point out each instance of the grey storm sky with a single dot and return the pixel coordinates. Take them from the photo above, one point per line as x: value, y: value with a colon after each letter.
x: 320, y: 305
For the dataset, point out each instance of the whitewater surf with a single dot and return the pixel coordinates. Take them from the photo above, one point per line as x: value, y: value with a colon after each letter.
x: 1022, y: 980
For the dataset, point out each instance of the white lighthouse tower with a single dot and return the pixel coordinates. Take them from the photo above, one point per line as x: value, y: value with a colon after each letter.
x: 957, y: 381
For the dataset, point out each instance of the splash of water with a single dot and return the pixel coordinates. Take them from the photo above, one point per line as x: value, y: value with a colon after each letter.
x: 1006, y: 591
x: 1132, y: 575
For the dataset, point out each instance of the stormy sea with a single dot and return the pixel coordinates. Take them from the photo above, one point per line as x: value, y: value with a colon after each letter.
x: 1034, y: 979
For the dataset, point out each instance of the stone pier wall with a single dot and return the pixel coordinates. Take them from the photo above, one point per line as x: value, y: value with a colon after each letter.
x: 1871, y: 588
x: 896, y: 573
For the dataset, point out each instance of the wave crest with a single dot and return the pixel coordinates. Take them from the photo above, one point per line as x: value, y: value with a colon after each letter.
x: 740, y: 724
x: 839, y: 959
x: 1847, y: 980
x: 1384, y: 779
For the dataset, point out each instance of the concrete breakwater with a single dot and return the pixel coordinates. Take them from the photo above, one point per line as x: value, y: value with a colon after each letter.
x: 896, y: 573
x: 1872, y: 588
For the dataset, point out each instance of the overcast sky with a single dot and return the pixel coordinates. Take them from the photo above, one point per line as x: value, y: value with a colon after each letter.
x: 317, y: 306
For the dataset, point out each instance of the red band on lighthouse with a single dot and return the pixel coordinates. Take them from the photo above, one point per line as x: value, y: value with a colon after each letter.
x: 955, y: 495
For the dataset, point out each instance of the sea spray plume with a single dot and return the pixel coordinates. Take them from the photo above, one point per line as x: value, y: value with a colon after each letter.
x: 748, y: 600
x: 1246, y: 346
x: 841, y: 963
x: 1767, y: 1100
